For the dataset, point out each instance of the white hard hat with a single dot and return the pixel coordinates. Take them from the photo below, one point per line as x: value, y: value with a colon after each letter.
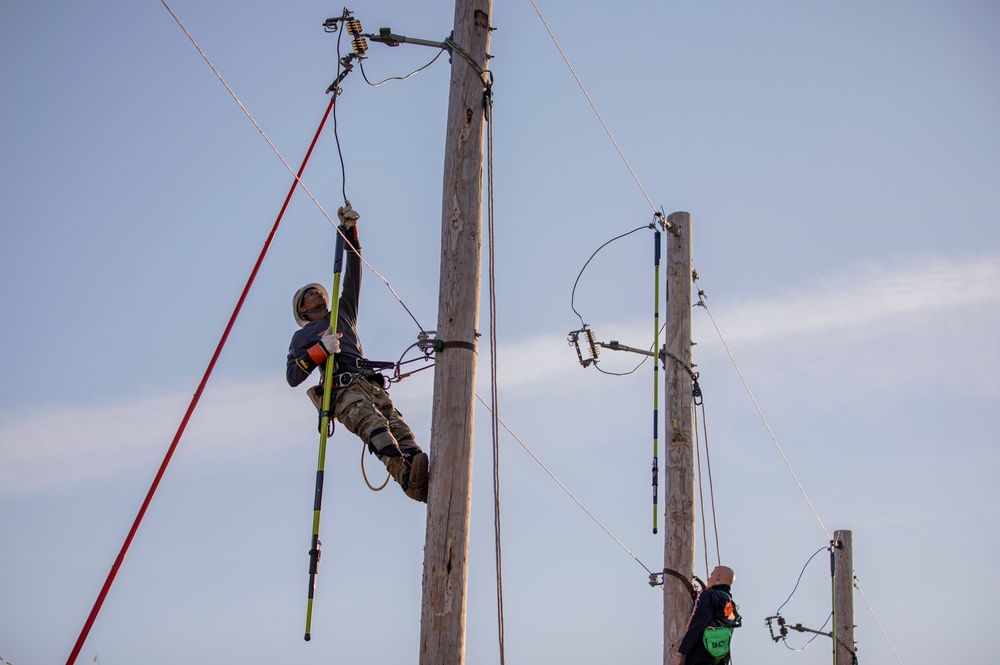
x: 297, y: 302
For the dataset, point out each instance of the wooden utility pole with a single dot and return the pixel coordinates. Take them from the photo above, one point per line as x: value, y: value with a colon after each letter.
x: 442, y: 626
x: 843, y: 598
x: 678, y: 551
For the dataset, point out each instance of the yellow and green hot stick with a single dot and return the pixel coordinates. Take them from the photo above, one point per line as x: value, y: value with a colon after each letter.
x: 324, y: 426
x: 656, y: 371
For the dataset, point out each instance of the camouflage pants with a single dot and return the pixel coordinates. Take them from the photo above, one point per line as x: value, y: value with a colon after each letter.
x: 365, y: 409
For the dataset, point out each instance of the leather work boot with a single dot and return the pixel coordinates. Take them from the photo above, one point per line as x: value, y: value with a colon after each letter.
x: 419, y: 477
x: 403, y: 473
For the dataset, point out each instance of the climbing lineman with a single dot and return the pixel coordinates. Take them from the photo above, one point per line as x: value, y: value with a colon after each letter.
x: 711, y: 625
x: 359, y: 400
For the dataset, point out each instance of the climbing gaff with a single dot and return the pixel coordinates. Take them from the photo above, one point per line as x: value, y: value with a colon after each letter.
x: 656, y: 375
x: 325, y: 419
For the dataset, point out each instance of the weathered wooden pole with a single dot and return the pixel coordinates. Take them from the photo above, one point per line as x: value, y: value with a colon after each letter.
x: 843, y: 598
x: 678, y: 522
x: 445, y: 581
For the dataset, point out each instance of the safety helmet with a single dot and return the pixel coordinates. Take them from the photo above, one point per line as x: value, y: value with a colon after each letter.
x: 297, y: 302
x: 721, y: 575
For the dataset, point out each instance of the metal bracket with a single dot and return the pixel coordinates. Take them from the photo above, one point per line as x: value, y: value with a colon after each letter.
x: 592, y: 350
x: 387, y: 37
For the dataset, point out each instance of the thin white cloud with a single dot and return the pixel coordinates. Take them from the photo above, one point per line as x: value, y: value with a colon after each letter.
x: 868, y: 300
x: 62, y: 444
x: 65, y: 444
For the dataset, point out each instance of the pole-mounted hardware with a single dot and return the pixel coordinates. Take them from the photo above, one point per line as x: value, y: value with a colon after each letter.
x: 588, y: 337
x: 387, y: 37
x: 358, y: 44
x: 353, y: 27
x: 784, y: 627
x: 593, y: 346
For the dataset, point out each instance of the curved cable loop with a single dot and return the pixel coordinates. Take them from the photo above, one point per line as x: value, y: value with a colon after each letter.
x: 572, y: 298
x: 453, y: 45
x: 799, y: 580
x: 810, y: 640
x: 397, y: 78
x: 364, y: 472
x: 397, y: 376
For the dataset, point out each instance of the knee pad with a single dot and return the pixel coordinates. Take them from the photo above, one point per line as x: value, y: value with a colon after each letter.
x: 383, y: 443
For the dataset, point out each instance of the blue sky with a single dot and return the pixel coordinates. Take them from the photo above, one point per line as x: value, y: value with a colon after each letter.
x: 841, y: 167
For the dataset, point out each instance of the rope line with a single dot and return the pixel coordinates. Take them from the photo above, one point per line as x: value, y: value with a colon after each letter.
x: 701, y: 494
x: 857, y: 585
x: 494, y: 396
x: 711, y: 489
x: 761, y: 413
x: 565, y: 489
x: 592, y: 105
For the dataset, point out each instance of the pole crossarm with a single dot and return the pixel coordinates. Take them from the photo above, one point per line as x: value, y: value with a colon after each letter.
x: 387, y: 37
x: 614, y: 345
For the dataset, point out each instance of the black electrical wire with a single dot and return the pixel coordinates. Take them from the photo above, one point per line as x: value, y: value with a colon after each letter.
x: 572, y: 298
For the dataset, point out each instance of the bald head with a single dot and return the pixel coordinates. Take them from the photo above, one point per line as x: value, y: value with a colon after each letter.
x: 721, y: 575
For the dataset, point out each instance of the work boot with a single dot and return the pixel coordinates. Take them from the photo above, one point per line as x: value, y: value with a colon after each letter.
x: 403, y: 472
x: 419, y: 477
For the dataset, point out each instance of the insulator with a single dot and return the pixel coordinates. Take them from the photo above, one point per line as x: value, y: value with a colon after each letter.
x: 591, y: 342
x: 360, y: 45
x: 353, y: 26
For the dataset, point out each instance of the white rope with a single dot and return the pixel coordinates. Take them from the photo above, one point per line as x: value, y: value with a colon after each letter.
x: 593, y: 106
x: 565, y: 489
x: 857, y: 585
x: 763, y: 419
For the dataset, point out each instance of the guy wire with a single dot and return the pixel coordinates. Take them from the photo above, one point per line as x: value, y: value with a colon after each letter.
x: 761, y: 414
x: 565, y: 489
x: 593, y: 106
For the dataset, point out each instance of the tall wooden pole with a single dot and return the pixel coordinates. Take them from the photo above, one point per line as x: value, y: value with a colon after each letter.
x: 678, y: 531
x: 442, y: 627
x: 843, y: 598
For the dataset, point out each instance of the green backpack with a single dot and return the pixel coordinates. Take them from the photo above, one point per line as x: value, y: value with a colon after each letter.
x: 719, y: 634
x: 716, y: 640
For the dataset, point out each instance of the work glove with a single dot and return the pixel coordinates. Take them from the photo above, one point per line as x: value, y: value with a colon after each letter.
x: 348, y: 215
x: 330, y: 343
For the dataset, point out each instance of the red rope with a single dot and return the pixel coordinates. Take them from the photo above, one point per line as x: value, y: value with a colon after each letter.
x: 194, y: 400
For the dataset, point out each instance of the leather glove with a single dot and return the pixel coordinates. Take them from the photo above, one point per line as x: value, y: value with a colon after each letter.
x: 330, y: 343
x: 348, y: 215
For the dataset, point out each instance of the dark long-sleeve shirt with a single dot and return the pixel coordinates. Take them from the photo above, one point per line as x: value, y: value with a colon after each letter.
x: 347, y: 323
x: 711, y: 605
